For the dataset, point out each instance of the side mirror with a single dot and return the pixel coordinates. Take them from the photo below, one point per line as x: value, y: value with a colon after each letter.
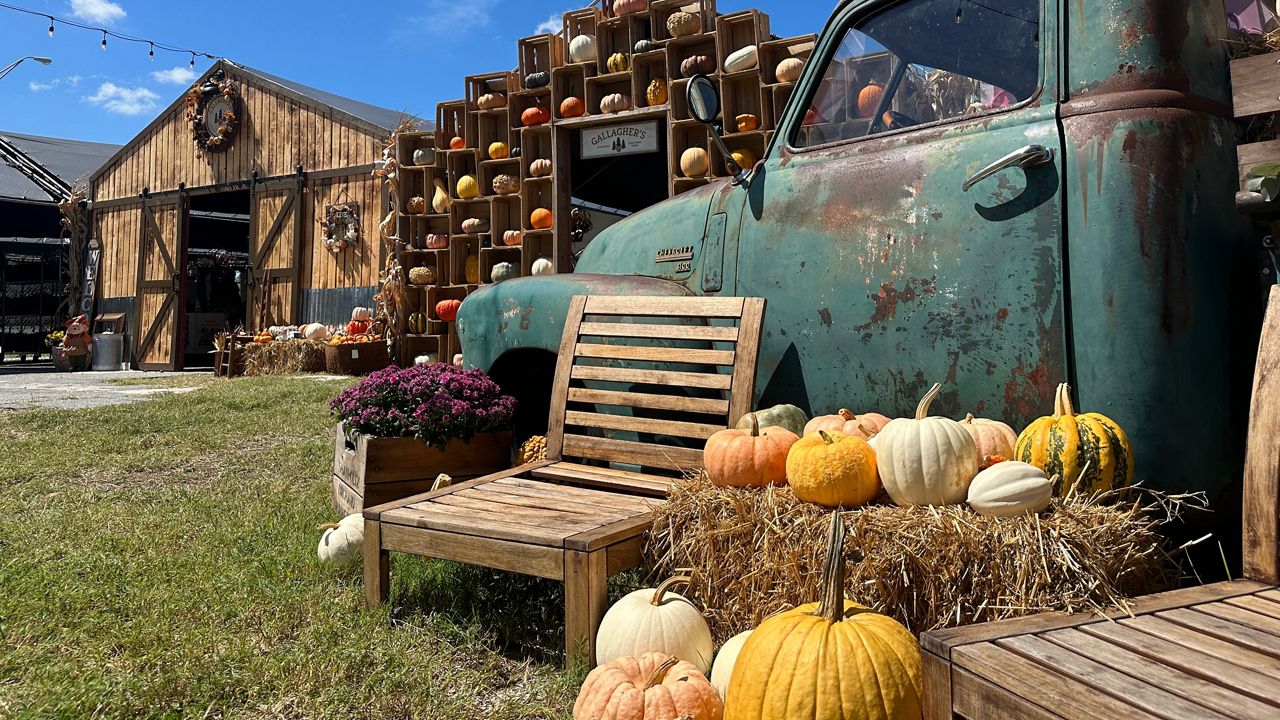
x: 704, y: 105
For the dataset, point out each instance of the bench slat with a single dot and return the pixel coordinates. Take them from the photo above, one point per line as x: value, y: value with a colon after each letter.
x: 723, y: 333
x: 608, y: 478
x: 655, y: 426
x: 633, y: 306
x: 655, y: 354
x: 568, y: 523
x: 1257, y: 604
x: 1232, y: 632
x: 1242, y: 616
x: 487, y: 552
x: 1207, y: 644
x: 706, y: 406
x: 518, y: 500
x: 673, y: 378
x: 635, y: 453
x: 618, y: 501
x: 1255, y: 85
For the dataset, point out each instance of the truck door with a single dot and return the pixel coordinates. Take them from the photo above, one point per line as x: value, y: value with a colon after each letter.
x: 906, y: 224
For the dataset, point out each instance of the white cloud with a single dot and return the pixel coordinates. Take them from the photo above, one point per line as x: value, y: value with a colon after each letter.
x: 124, y: 100
x: 176, y: 75
x: 553, y: 24
x: 449, y: 18
x: 98, y: 11
x: 72, y: 80
x: 41, y: 87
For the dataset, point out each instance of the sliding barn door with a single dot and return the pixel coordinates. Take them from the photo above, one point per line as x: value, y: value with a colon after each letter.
x: 158, y: 313
x: 276, y: 253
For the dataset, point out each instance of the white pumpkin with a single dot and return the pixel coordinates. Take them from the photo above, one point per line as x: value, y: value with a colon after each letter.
x: 655, y: 620
x: 543, y: 266
x: 582, y: 48
x: 1010, y: 488
x: 428, y: 359
x: 340, y: 543
x: 315, y: 331
x: 722, y: 669
x: 926, y: 460
x: 744, y: 59
x: 991, y: 437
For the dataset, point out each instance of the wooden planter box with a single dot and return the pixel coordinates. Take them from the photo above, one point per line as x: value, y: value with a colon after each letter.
x: 373, y: 471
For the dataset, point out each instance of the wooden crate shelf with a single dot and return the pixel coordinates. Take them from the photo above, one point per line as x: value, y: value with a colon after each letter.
x: 682, y: 184
x: 461, y: 162
x: 408, y: 142
x: 452, y: 120
x: 773, y: 52
x: 490, y: 169
x: 436, y: 294
x: 437, y: 259
x: 536, y: 193
x: 504, y: 83
x: 613, y: 35
x: 491, y: 127
x: 661, y: 10
x: 461, y: 247
x: 535, y: 145
x: 680, y: 49
x: 422, y: 225
x: 570, y: 81
x: 741, y: 96
x: 525, y: 99
x: 540, y: 53
x: 464, y: 209
x: 537, y: 244
x: 739, y: 30
x: 645, y: 68
x: 494, y: 255
x: 684, y: 135
x: 600, y: 86
x: 753, y: 142
x: 580, y: 22
x: 505, y: 213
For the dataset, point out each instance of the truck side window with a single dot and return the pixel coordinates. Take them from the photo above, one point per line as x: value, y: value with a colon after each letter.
x: 923, y: 61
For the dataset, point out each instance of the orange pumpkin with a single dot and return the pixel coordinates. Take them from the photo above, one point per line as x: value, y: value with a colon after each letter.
x: 447, y: 310
x: 992, y: 438
x: 540, y: 219
x: 572, y: 107
x: 534, y: 116
x: 748, y: 458
x: 653, y: 685
x: 357, y: 327
x: 863, y: 426
x: 869, y: 99
x: 457, y: 143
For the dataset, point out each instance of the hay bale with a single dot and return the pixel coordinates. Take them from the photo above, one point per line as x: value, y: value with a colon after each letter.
x: 284, y: 357
x: 758, y: 552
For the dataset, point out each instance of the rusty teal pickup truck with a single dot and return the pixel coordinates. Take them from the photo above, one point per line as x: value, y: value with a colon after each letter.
x: 1043, y: 192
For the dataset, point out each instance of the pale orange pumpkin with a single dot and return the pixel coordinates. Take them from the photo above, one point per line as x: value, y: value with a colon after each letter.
x: 647, y: 687
x: 992, y: 437
x: 863, y: 426
x: 753, y: 457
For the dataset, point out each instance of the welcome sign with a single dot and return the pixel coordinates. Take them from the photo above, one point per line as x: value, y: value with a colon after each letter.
x: 625, y: 139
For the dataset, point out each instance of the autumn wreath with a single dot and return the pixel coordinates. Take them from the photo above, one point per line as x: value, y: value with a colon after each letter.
x: 213, y: 109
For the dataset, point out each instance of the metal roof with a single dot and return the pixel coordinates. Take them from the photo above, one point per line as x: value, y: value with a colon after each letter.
x: 383, y: 118
x: 67, y: 160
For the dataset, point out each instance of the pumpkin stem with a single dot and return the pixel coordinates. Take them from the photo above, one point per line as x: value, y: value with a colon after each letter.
x: 826, y: 438
x: 922, y: 410
x: 832, y: 605
x: 327, y: 526
x: 867, y: 431
x: 1057, y: 402
x: 755, y: 425
x: 846, y: 414
x: 968, y: 419
x: 1067, y: 408
x: 660, y: 673
x: 664, y: 587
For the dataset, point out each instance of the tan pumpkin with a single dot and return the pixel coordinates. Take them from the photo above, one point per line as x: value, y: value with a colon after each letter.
x: 755, y: 457
x: 540, y: 167
x: 992, y: 438
x: 656, y: 93
x: 788, y: 71
x: 512, y: 238
x: 926, y: 460
x: 506, y: 184
x: 683, y: 24
x: 437, y: 241
x: 615, y: 103
x: 697, y: 64
x: 650, y: 687
x: 626, y: 7
x: 864, y: 426
x: 491, y: 101
x: 833, y: 469
x: 475, y: 226
x: 693, y: 162
x: 424, y: 275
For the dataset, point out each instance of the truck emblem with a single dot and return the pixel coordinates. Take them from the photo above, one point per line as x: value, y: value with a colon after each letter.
x: 675, y: 254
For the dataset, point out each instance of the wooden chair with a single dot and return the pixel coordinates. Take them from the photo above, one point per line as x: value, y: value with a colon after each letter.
x: 640, y: 382
x: 1203, y: 652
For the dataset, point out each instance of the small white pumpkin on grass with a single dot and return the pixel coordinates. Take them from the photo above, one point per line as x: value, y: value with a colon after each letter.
x: 1010, y: 488
x: 926, y: 460
x: 722, y: 669
x: 341, y: 542
x: 655, y: 620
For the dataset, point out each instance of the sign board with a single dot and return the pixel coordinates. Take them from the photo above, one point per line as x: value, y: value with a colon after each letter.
x: 89, y: 288
x: 626, y: 139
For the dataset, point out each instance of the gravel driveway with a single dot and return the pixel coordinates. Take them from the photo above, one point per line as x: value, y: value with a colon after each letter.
x: 28, y: 386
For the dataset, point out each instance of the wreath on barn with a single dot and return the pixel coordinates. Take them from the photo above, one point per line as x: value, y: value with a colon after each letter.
x: 213, y: 109
x: 340, y: 227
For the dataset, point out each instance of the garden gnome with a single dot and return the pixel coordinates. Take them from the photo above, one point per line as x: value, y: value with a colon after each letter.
x: 78, y: 343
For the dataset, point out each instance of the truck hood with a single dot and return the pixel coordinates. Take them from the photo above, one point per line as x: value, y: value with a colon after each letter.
x: 528, y: 313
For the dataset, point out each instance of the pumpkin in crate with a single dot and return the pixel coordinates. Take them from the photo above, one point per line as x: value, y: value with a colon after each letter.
x: 783, y: 416
x: 416, y: 205
x: 926, y: 460
x: 992, y: 438
x: 655, y: 620
x: 1061, y: 444
x: 683, y: 24
x: 540, y: 219
x: 417, y: 324
x: 745, y: 159
x: 512, y: 238
x: 1010, y: 488
x: 864, y: 426
x: 533, y: 116
x: 440, y: 200
x: 491, y: 101
x: 697, y: 64
x: 540, y: 167
x: 582, y: 48
x: 656, y: 93
x: 471, y: 269
x: 739, y: 60
x: 468, y: 188
x: 726, y: 659
x: 498, y: 151
x: 475, y: 226
x: 542, y: 266
x: 340, y: 543
x: 536, y: 80
x: 502, y: 271
x: 788, y: 71
x: 361, y: 319
x: 615, y: 103
x: 532, y: 450
x: 693, y: 162
x: 617, y: 62
x: 437, y: 241
x: 424, y: 156
x: 645, y: 45
x: 830, y: 659
x: 650, y: 686
x: 447, y: 310
x: 869, y: 99
x: 457, y: 143
x: 572, y: 107
x: 833, y: 470
x: 626, y: 7
x: 751, y: 457
x: 506, y: 184
x: 746, y: 122
x: 422, y: 275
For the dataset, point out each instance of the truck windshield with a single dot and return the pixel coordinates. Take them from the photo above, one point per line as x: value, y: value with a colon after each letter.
x: 922, y: 61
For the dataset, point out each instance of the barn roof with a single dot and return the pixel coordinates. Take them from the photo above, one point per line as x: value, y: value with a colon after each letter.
x: 41, y: 169
x: 380, y: 117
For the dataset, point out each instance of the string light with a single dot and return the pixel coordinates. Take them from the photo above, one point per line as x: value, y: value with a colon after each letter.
x: 50, y: 26
x: 151, y: 54
x: 152, y: 45
x: 104, y: 39
x: 192, y: 64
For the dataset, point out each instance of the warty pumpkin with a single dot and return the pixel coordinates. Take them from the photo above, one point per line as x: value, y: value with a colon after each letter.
x: 992, y: 438
x: 572, y: 107
x: 1063, y: 443
x: 534, y: 116
x: 532, y: 450
x: 783, y: 416
x: 656, y: 93
x: 416, y: 205
x: 542, y: 266
x: 926, y: 460
x: 502, y: 271
x: 726, y: 658
x: 506, y: 184
x: 582, y: 48
x: 447, y: 310
x: 648, y: 687
x: 540, y: 219
x: 655, y: 620
x: 498, y: 151
x: 1010, y: 488
x: 468, y: 188
x: 747, y: 122
x: 617, y: 62
x: 754, y: 457
x: 424, y: 275
x: 833, y: 470
x: 828, y: 660
x: 683, y: 24
x: 864, y: 426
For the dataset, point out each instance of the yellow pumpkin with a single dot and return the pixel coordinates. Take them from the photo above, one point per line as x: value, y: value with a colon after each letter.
x: 1063, y: 443
x: 617, y: 62
x: 656, y: 93
x: 498, y: 150
x: 532, y: 450
x: 747, y: 122
x: 471, y: 269
x: 468, y: 188
x: 745, y: 159
x: 827, y: 660
x: 833, y: 469
x: 753, y: 457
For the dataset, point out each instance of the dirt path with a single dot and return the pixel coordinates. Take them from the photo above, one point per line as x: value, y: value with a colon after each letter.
x: 23, y: 388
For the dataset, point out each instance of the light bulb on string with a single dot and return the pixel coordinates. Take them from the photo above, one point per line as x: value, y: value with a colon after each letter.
x: 152, y: 52
x: 192, y: 64
x: 50, y: 26
x: 104, y: 40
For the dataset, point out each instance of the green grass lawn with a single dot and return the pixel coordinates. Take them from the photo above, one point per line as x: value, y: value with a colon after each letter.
x: 158, y: 560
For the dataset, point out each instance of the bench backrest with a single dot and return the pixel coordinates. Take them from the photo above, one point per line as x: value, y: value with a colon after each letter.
x: 1262, y: 462
x: 644, y: 381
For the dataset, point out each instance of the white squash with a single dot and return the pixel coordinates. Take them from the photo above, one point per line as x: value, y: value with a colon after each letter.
x: 1010, y: 488
x: 926, y: 460
x: 428, y: 359
x: 543, y: 266
x: 582, y: 48
x: 315, y: 331
x: 655, y: 620
x: 744, y: 59
x: 340, y: 543
x: 722, y: 670
x: 991, y: 437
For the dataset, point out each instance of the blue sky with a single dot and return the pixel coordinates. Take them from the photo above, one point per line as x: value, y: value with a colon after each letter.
x: 401, y: 54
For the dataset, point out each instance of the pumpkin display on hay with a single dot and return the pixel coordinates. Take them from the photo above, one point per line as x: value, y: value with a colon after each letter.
x: 754, y: 457
x: 1064, y: 444
x: 655, y: 620
x: 650, y: 686
x: 287, y: 357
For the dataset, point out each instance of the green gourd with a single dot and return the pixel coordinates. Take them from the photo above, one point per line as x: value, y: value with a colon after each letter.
x: 784, y: 416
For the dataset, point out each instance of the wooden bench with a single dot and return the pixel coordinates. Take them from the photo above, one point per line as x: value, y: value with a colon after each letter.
x: 1202, y: 652
x: 640, y: 384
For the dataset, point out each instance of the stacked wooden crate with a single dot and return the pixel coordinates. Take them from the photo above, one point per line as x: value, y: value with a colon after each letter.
x: 464, y: 133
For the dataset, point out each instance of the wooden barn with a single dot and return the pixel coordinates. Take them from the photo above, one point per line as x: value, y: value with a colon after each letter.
x: 250, y: 200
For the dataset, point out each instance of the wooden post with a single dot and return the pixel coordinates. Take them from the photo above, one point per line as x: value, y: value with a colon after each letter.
x: 377, y: 566
x: 1262, y: 462
x: 586, y: 594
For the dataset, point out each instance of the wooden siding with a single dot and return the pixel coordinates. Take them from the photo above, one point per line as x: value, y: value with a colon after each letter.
x: 358, y: 266
x: 159, y: 307
x: 119, y: 230
x: 276, y: 134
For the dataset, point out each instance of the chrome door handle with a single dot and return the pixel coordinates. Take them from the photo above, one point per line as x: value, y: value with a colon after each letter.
x: 1027, y: 157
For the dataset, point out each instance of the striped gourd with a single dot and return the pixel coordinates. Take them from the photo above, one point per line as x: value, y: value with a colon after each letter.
x: 1064, y: 442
